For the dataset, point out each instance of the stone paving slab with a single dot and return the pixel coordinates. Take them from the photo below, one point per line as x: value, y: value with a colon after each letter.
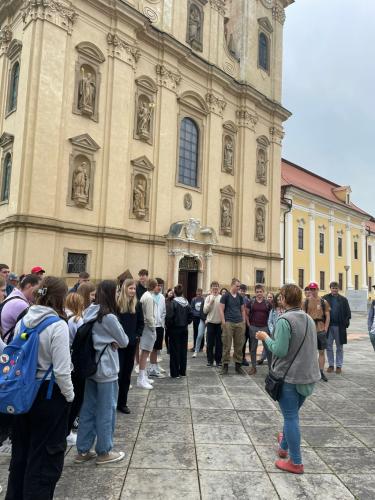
x: 208, y: 437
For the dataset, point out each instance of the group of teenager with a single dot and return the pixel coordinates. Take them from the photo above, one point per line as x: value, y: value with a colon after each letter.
x: 130, y: 322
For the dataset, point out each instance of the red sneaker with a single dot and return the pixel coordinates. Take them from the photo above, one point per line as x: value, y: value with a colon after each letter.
x: 289, y: 466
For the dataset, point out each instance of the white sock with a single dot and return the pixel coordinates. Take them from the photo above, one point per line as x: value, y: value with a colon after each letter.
x: 141, y: 374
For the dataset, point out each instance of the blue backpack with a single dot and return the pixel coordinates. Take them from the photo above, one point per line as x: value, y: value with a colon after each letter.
x: 18, y: 366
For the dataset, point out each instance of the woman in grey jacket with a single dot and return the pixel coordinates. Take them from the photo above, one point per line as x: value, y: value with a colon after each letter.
x: 98, y: 413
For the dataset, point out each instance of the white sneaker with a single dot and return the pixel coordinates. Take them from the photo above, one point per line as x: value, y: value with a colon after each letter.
x: 149, y: 380
x: 6, y: 448
x: 136, y: 369
x: 194, y: 355
x: 143, y: 384
x: 155, y: 373
x: 130, y: 386
x: 161, y: 370
x: 71, y: 440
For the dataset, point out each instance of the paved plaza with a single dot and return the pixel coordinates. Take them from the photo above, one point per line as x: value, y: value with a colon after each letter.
x: 207, y: 437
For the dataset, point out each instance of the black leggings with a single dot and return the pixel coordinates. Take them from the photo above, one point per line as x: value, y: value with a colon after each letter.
x: 126, y: 358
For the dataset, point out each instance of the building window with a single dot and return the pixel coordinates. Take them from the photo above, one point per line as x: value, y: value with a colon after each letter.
x: 76, y: 263
x: 322, y: 280
x: 356, y: 282
x: 339, y: 246
x: 259, y: 276
x: 301, y: 278
x: 263, y: 56
x: 188, y: 154
x: 321, y: 242
x: 341, y: 281
x: 370, y: 284
x: 356, y: 250
x: 5, y: 180
x: 369, y: 253
x: 300, y: 238
x: 13, y: 87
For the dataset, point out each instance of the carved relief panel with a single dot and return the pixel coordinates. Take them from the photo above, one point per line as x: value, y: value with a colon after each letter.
x: 141, y: 188
x: 260, y: 218
x: 82, y: 171
x: 144, y: 109
x: 226, y: 210
x: 194, y: 30
x: 87, y: 80
x: 229, y: 147
x: 262, y: 160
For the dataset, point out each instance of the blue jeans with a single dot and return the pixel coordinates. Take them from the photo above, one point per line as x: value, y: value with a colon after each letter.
x: 372, y: 338
x: 290, y: 403
x: 201, y: 329
x: 97, y: 418
x: 334, y: 335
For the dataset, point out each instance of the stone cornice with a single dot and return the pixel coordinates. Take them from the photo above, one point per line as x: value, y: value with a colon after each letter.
x: 215, y: 104
x: 218, y: 5
x: 123, y: 50
x: 167, y: 78
x: 58, y: 12
x: 246, y: 119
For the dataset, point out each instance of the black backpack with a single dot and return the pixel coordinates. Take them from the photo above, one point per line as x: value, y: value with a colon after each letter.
x: 83, y: 352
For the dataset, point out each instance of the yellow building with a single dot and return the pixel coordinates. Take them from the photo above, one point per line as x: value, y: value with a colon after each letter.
x: 324, y: 236
x: 142, y: 133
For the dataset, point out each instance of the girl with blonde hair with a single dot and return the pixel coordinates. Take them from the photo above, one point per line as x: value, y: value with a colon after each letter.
x: 130, y: 316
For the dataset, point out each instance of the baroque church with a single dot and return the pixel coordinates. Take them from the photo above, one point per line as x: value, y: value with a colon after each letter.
x: 142, y: 134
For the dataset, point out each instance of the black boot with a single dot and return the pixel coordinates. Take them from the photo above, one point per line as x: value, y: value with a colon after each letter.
x: 239, y: 369
x: 323, y: 377
x: 224, y: 370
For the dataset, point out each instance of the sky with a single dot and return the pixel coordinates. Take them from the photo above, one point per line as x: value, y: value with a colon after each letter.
x: 329, y: 86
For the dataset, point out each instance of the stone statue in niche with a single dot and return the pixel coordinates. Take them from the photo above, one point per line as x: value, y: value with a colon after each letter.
x: 86, y: 92
x: 144, y: 119
x: 139, y: 197
x: 259, y: 224
x: 226, y: 217
x: 194, y: 25
x: 188, y: 201
x: 228, y: 154
x: 261, y: 166
x: 81, y: 184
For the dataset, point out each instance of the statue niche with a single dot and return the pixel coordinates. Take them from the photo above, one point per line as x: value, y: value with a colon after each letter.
x: 81, y: 181
x: 144, y: 118
x: 140, y: 196
x: 226, y: 217
x: 260, y: 224
x: 228, y: 154
x: 87, y: 90
x: 194, y: 34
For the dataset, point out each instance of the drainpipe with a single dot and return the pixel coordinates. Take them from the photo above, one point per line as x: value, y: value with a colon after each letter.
x: 289, y: 203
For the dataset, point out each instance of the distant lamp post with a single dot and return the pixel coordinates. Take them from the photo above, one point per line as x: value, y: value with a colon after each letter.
x: 346, y: 276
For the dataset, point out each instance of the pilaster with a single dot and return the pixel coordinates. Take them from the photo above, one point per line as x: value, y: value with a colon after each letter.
x: 348, y: 236
x: 312, y: 245
x: 332, y: 270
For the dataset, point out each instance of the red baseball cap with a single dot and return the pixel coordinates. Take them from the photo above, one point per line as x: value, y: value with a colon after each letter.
x: 37, y: 269
x: 313, y: 285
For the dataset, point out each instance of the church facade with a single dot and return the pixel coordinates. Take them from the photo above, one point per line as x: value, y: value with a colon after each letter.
x: 142, y: 134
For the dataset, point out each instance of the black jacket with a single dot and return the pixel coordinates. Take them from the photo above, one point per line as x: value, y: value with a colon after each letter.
x: 344, y: 315
x: 179, y: 313
x: 132, y: 323
x: 140, y: 290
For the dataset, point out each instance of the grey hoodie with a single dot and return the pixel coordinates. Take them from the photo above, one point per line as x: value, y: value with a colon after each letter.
x: 103, y: 334
x: 53, y: 348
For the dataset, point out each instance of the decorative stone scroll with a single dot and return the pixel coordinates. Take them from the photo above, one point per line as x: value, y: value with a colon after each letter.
x: 226, y: 210
x: 218, y: 5
x: 260, y: 218
x: 123, y: 50
x: 215, y: 104
x: 6, y: 36
x: 167, y: 78
x: 87, y: 80
x: 262, y: 160
x: 194, y: 30
x: 82, y: 171
x: 58, y: 12
x: 277, y: 135
x: 246, y: 119
x: 141, y: 188
x: 144, y: 112
x: 229, y: 147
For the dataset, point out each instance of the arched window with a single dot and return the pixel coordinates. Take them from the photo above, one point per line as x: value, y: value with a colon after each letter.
x: 5, y: 184
x: 188, y: 153
x: 13, y: 87
x: 263, y: 52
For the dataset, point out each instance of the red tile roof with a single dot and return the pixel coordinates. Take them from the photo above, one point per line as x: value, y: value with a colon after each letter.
x: 296, y: 176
